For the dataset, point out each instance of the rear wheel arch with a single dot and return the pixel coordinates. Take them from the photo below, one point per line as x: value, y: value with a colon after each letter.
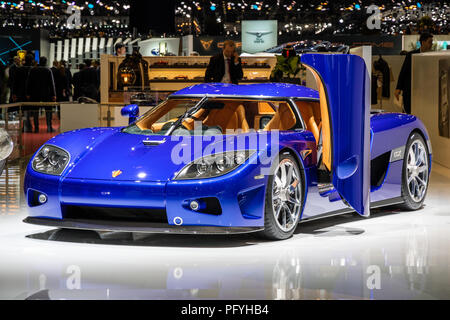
x: 422, y: 134
x: 296, y: 156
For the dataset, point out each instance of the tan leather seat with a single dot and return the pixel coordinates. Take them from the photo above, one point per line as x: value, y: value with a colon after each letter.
x: 156, y: 127
x: 231, y: 117
x: 284, y: 119
x: 264, y: 109
x: 308, y: 114
x: 325, y: 119
x: 189, y: 122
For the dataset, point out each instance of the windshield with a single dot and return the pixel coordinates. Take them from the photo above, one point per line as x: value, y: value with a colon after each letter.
x: 214, y: 116
x: 158, y: 120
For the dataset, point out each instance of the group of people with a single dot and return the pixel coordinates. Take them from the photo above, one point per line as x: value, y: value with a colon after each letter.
x: 226, y: 67
x: 30, y: 81
x: 86, y: 82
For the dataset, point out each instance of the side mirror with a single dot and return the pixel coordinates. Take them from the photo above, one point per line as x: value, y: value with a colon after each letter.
x: 131, y: 111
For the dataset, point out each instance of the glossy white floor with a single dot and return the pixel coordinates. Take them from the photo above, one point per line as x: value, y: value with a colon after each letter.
x: 392, y: 255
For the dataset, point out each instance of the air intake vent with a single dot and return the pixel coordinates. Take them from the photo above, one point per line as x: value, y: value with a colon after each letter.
x: 114, y: 214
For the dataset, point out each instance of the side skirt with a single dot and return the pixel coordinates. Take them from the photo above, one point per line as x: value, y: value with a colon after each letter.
x: 373, y: 205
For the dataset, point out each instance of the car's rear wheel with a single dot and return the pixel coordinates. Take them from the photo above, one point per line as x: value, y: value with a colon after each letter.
x: 284, y: 199
x: 415, y: 176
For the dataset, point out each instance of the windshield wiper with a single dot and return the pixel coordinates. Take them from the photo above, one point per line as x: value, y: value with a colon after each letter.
x: 185, y: 115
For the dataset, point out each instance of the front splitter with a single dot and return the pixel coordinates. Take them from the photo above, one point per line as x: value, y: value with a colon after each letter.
x: 121, y: 226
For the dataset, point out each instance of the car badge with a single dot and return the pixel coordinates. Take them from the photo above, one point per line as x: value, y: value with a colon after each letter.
x: 116, y: 173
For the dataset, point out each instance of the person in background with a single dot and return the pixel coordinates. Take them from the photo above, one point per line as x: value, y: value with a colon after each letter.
x: 68, y: 75
x: 41, y: 88
x: 404, y: 78
x: 11, y: 75
x: 59, y: 77
x: 88, y: 81
x: 19, y: 89
x: 76, y: 82
x: 56, y: 79
x: 120, y: 50
x: 225, y: 67
x: 3, y: 84
x: 96, y: 65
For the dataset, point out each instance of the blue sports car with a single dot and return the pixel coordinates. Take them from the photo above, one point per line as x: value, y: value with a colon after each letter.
x: 221, y: 158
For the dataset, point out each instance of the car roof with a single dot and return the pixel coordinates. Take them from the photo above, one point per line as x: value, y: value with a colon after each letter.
x: 260, y: 90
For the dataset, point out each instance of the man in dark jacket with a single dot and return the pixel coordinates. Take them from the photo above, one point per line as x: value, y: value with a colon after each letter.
x: 19, y: 88
x: 11, y: 77
x: 89, y: 81
x: 19, y: 82
x: 404, y: 78
x: 68, y: 74
x: 76, y: 82
x: 58, y: 80
x: 225, y: 67
x: 41, y: 88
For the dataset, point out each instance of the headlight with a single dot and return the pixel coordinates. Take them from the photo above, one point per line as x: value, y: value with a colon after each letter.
x: 214, y: 165
x: 51, y: 160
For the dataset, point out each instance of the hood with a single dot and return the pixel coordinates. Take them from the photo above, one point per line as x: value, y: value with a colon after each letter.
x: 144, y: 158
x: 128, y: 156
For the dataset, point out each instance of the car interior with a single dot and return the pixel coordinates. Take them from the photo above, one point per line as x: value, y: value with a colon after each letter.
x: 243, y: 115
x: 237, y: 115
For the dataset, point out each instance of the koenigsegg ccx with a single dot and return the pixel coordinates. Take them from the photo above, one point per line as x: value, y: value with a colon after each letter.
x: 221, y: 158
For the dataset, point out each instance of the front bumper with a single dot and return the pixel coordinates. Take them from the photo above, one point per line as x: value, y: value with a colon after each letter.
x: 240, y: 194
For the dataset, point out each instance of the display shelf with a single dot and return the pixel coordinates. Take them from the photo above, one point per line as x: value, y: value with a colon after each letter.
x: 200, y: 81
x: 204, y: 68
x: 178, y: 67
x: 256, y: 70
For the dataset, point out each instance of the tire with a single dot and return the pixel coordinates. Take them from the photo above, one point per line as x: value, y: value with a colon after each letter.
x: 284, y: 198
x: 415, y: 172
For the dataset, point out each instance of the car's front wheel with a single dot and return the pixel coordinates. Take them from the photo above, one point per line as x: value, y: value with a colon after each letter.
x: 284, y: 199
x: 415, y: 172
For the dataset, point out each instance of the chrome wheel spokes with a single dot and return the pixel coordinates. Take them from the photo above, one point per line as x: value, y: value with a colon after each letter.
x: 417, y: 171
x: 286, y: 195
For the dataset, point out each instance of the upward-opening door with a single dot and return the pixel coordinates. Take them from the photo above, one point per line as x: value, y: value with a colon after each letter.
x: 343, y: 84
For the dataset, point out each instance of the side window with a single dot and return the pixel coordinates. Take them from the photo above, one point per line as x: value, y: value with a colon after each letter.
x: 283, y: 119
x: 265, y: 113
x: 310, y: 112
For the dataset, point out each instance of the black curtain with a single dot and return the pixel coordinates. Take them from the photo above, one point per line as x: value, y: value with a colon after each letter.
x: 155, y: 16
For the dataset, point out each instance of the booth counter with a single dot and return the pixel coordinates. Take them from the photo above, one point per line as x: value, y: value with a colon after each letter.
x: 430, y: 98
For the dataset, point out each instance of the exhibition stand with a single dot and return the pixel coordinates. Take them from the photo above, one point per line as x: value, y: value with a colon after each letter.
x: 157, y: 77
x: 430, y: 92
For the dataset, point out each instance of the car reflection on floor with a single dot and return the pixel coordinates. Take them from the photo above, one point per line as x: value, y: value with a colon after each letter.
x: 392, y: 255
